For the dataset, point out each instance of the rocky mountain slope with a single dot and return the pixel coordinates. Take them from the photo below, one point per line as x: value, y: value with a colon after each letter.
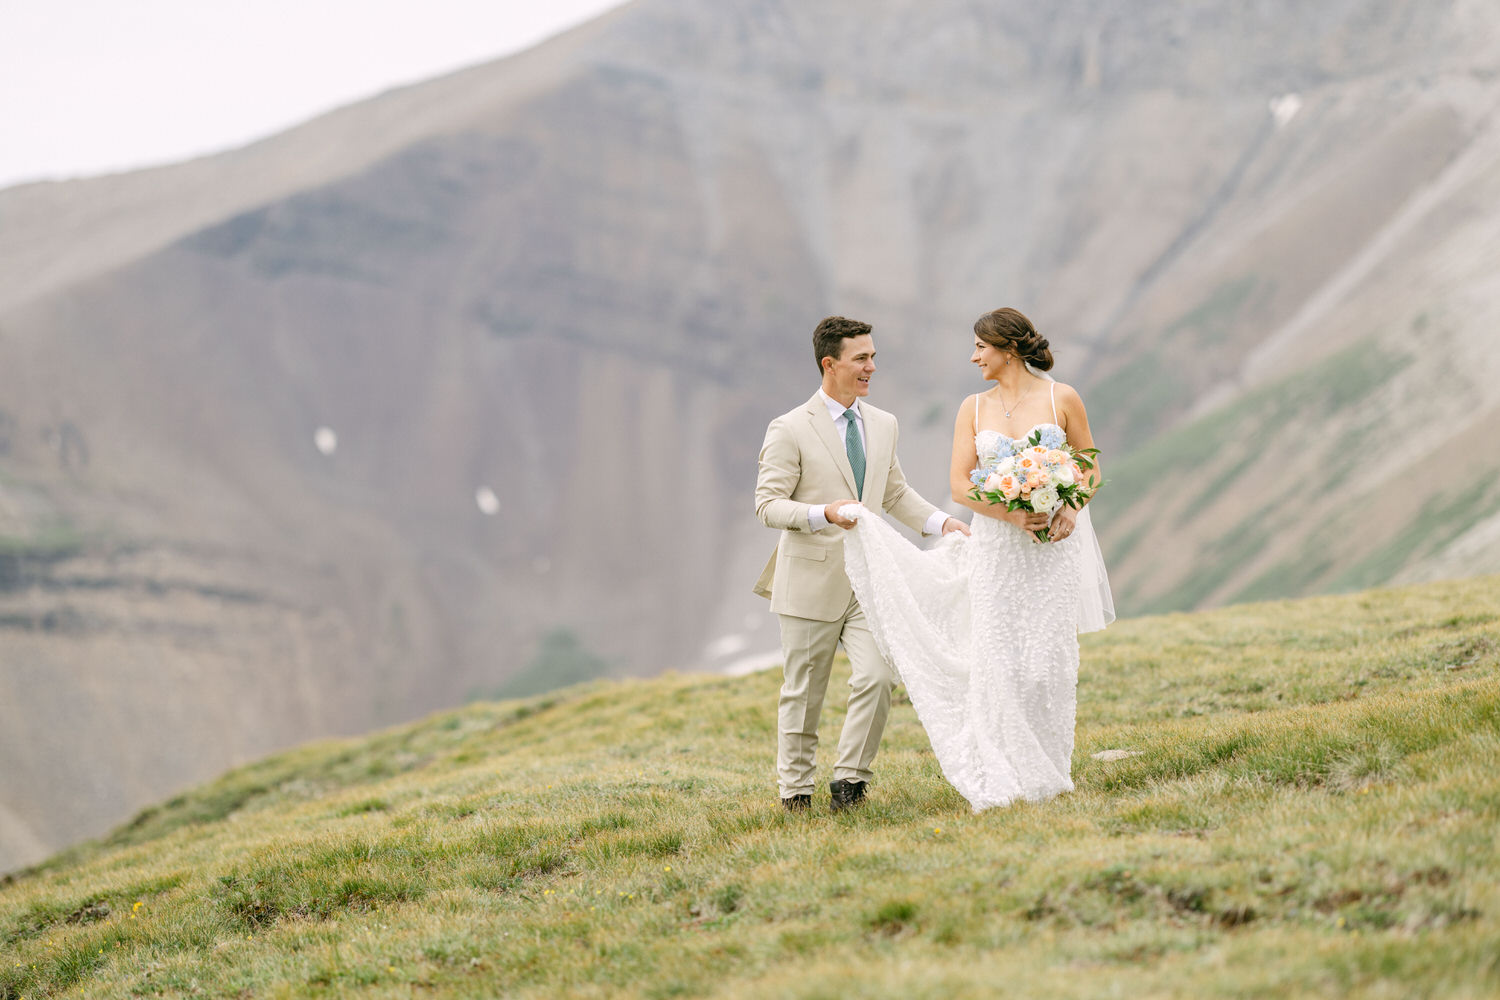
x: 254, y: 408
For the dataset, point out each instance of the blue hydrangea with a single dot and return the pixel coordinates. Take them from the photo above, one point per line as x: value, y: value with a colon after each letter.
x: 1052, y: 436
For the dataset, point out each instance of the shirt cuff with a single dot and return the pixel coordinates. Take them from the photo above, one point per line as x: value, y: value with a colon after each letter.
x: 816, y: 519
x: 935, y: 523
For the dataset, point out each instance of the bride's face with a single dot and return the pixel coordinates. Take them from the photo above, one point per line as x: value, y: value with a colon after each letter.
x: 990, y: 359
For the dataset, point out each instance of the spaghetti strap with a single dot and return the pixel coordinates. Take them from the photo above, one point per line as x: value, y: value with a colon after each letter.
x: 976, y: 413
x: 1054, y: 404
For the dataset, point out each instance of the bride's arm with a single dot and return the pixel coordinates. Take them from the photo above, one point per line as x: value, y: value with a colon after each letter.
x: 1075, y: 423
x: 965, y: 458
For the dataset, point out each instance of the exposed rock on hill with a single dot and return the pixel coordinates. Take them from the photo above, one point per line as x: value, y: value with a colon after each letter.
x: 1261, y: 238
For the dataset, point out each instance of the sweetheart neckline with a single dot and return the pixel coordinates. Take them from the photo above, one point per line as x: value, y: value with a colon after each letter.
x: 1023, y: 437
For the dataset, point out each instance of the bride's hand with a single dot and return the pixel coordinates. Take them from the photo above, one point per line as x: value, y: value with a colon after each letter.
x: 1025, y: 520
x: 1063, y: 523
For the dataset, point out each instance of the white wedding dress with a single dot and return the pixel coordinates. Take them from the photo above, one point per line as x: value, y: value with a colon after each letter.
x: 983, y: 631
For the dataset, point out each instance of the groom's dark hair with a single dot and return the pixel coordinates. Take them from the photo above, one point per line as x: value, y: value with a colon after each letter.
x: 829, y: 337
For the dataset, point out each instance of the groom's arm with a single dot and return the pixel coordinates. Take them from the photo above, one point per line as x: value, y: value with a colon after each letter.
x: 780, y: 472
x: 907, y: 505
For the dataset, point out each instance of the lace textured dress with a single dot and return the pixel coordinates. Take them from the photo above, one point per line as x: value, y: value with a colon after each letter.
x: 983, y: 631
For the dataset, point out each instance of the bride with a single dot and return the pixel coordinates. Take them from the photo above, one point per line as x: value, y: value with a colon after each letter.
x: 984, y: 630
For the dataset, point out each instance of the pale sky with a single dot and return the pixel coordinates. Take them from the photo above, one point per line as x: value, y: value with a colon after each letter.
x: 97, y: 86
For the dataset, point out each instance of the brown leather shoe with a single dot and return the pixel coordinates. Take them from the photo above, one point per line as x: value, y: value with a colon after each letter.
x: 796, y: 803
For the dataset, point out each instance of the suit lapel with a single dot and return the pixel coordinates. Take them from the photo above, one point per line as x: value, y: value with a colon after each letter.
x: 822, y: 425
x: 877, y: 461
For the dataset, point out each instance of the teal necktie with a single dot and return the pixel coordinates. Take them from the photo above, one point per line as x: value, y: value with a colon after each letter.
x: 856, y: 452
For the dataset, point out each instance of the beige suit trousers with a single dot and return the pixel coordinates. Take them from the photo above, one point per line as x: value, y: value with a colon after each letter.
x: 809, y: 647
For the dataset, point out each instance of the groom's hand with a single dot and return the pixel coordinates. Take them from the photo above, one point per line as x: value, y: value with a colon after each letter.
x: 954, y: 524
x: 834, y: 517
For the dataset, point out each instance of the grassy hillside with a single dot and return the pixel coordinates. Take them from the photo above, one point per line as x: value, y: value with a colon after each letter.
x: 1311, y: 810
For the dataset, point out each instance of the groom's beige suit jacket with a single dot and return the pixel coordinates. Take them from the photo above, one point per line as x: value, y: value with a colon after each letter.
x: 803, y: 463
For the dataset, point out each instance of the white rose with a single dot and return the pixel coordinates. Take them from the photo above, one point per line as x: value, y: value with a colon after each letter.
x: 1044, y: 500
x: 1006, y: 466
x: 1062, y: 475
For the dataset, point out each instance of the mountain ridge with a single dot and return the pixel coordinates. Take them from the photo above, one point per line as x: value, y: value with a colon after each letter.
x: 37, y: 213
x: 583, y: 279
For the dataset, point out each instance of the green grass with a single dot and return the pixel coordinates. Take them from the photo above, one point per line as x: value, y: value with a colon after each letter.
x: 1310, y: 810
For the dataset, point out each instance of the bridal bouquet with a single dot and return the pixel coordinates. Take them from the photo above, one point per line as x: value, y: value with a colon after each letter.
x: 1040, y: 475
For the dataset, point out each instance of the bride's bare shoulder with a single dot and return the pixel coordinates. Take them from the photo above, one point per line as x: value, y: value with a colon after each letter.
x: 1067, y: 394
x: 966, y: 409
x: 972, y: 400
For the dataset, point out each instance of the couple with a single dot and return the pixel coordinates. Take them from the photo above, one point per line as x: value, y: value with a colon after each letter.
x: 982, y: 628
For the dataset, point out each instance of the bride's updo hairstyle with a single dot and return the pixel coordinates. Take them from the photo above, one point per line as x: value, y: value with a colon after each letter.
x: 1009, y: 330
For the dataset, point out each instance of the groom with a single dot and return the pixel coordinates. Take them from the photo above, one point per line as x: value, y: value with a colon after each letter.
x: 816, y: 459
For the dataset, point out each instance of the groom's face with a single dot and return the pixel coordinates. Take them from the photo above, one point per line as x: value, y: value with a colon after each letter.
x: 848, y: 375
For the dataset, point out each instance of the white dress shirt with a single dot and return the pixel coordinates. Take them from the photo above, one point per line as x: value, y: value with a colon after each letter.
x: 816, y: 518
